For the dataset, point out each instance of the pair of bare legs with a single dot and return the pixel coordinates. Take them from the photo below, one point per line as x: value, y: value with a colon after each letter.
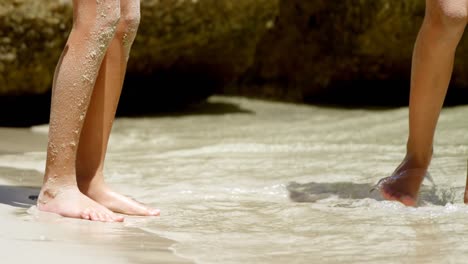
x: 433, y: 58
x: 86, y: 90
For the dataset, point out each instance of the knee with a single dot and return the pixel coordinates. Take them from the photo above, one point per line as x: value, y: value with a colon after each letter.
x: 129, y: 22
x: 108, y: 23
x: 449, y: 16
x: 103, y: 27
x: 110, y: 20
x: 106, y: 31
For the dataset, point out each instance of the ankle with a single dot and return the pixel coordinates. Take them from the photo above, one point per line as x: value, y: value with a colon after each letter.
x: 50, y: 192
x: 90, y: 186
x: 417, y: 156
x: 417, y: 160
x: 56, y: 181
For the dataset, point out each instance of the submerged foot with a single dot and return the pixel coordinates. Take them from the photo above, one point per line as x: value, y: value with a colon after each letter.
x: 117, y: 202
x: 70, y: 202
x: 402, y: 186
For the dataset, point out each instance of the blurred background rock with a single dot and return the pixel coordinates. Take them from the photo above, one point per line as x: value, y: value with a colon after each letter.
x: 345, y: 53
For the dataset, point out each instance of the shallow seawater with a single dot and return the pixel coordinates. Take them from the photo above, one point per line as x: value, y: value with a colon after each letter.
x: 247, y: 181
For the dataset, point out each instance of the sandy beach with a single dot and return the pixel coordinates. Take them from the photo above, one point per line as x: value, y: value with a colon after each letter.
x: 30, y: 236
x: 248, y: 181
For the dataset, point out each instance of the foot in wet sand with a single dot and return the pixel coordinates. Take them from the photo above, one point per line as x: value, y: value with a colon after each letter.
x: 402, y: 186
x: 116, y: 202
x: 70, y: 202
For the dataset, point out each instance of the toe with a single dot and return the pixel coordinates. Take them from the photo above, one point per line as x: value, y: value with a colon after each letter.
x: 109, y: 218
x: 94, y: 216
x: 101, y: 217
x: 154, y: 212
x: 386, y: 194
x: 118, y: 218
x: 85, y: 214
x: 407, y: 200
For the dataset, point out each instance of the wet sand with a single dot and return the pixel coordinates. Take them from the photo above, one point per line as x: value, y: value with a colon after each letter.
x: 30, y: 236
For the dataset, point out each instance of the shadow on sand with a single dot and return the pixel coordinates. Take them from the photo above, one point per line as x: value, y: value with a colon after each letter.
x: 20, y: 187
x: 314, y: 191
x: 201, y: 108
x: 18, y: 196
x: 26, y: 111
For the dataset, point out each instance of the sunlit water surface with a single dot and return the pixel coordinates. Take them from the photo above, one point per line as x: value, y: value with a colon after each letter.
x: 246, y: 181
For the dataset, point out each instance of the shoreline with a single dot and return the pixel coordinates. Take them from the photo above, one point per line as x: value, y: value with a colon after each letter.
x: 29, y: 235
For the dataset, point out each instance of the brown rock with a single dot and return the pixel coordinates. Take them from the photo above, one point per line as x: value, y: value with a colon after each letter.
x: 205, y: 42
x: 32, y: 35
x: 320, y: 44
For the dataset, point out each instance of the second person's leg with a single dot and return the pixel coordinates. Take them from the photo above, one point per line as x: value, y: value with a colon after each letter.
x: 433, y: 59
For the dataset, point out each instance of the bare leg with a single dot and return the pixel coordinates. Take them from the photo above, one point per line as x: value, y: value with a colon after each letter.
x: 73, y: 83
x: 98, y: 123
x: 433, y: 58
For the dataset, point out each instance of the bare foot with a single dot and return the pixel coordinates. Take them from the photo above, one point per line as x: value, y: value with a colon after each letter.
x: 116, y: 202
x: 402, y: 186
x: 70, y: 202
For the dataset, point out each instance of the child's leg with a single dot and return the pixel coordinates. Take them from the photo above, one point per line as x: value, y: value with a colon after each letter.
x: 75, y: 76
x: 433, y: 58
x: 98, y: 122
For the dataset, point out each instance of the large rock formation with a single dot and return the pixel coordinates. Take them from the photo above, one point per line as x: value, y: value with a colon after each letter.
x: 350, y: 51
x: 184, y: 51
x: 189, y: 49
x: 32, y: 35
x: 206, y: 41
x: 292, y: 50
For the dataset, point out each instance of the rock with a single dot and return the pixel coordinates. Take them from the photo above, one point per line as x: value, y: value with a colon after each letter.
x: 349, y: 51
x: 32, y: 35
x: 320, y: 43
x: 184, y: 51
x: 183, y: 46
x: 187, y: 50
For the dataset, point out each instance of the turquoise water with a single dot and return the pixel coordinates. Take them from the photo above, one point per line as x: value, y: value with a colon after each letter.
x: 246, y: 181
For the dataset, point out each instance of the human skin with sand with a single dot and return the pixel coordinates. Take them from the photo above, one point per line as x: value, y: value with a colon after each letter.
x: 87, y: 85
x: 433, y: 59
